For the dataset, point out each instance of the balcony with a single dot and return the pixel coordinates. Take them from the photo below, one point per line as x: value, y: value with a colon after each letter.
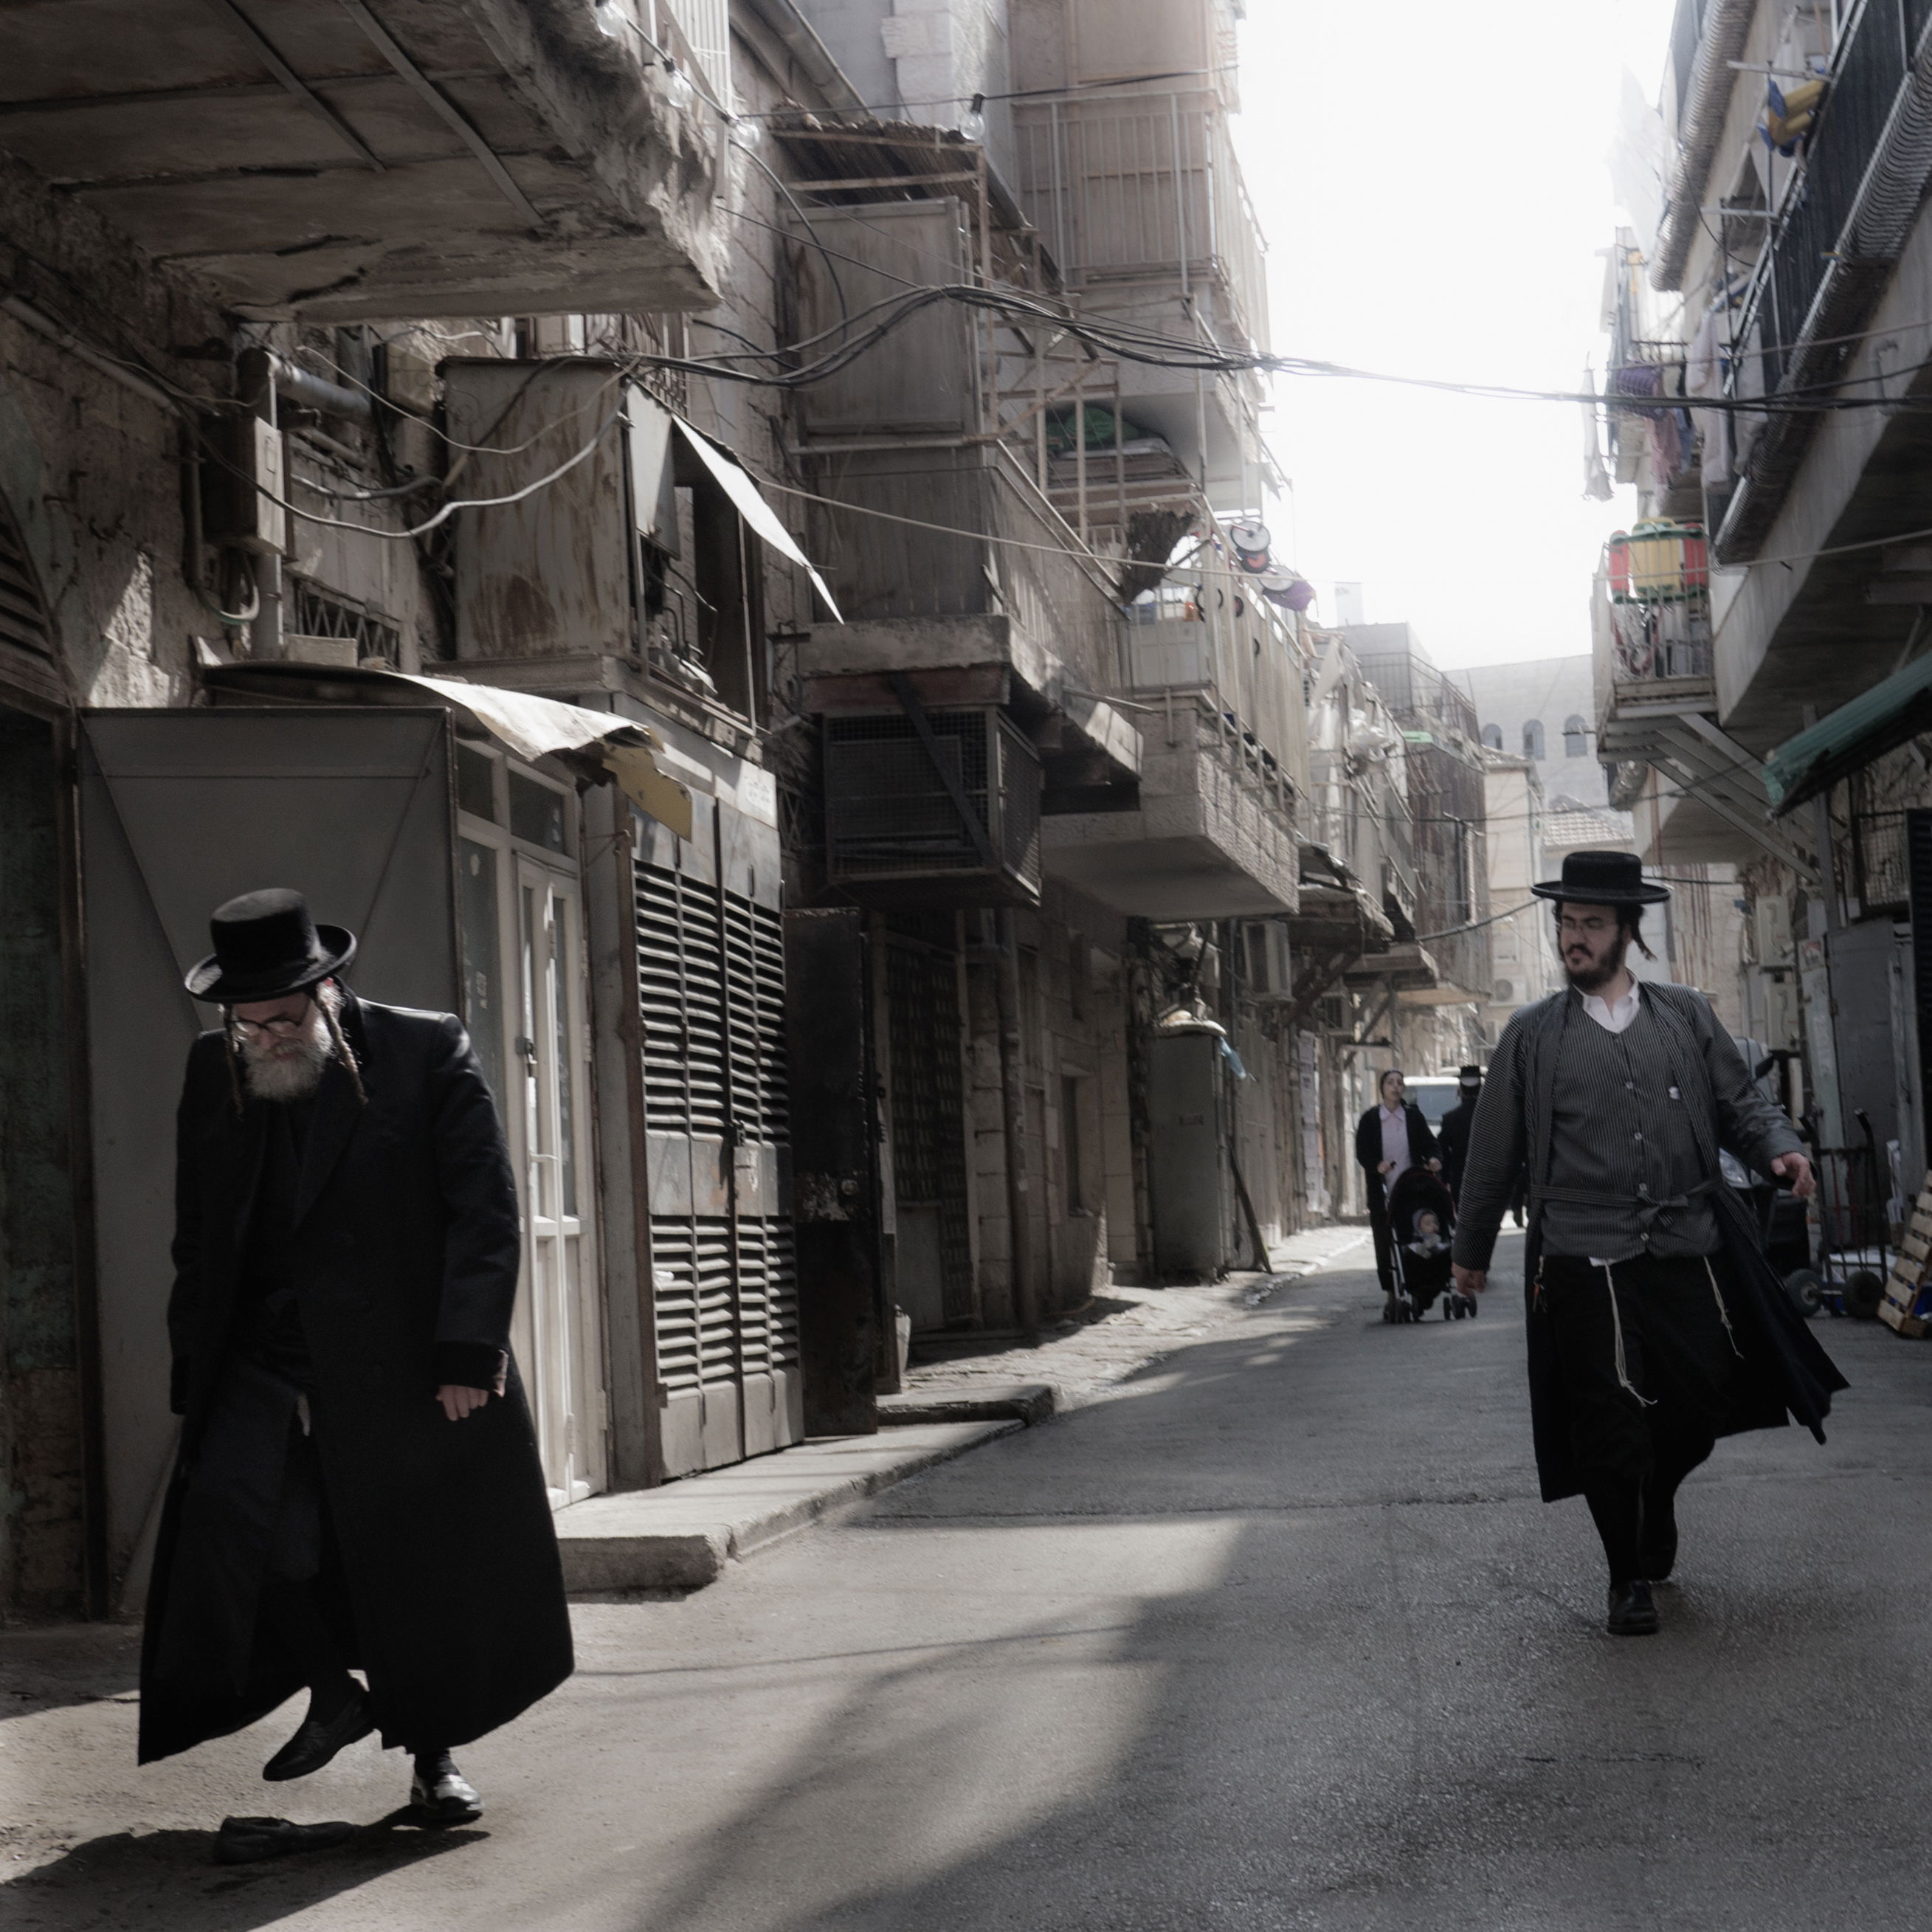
x: 509, y: 156
x: 1132, y: 190
x: 1217, y: 698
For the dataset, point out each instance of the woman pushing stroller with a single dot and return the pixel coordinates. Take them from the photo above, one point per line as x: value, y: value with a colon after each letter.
x: 1390, y: 1139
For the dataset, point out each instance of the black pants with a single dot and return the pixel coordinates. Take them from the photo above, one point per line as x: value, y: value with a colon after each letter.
x: 1385, y: 1240
x: 1648, y: 1365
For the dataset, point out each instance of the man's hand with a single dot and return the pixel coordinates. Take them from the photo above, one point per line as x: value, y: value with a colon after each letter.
x: 1386, y: 1167
x: 458, y: 1402
x: 1796, y: 1168
x: 1469, y: 1281
x: 1435, y: 1167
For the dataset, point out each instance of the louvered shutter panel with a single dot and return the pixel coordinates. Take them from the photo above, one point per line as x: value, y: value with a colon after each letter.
x: 23, y: 617
x: 711, y: 979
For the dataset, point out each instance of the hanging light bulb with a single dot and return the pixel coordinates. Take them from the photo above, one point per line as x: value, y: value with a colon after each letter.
x: 611, y: 19
x: 747, y: 133
x: 973, y: 122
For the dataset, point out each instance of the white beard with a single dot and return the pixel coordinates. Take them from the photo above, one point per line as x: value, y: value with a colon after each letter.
x: 287, y: 1069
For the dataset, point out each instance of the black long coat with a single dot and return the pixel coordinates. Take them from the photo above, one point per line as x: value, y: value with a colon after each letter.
x: 445, y: 1570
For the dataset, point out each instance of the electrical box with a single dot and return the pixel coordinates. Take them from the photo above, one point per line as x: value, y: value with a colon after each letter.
x: 244, y: 487
x: 1771, y: 919
x: 1188, y: 1186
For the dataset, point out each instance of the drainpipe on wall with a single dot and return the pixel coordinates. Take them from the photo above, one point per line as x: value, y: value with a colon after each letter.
x: 255, y: 383
x: 1013, y: 1101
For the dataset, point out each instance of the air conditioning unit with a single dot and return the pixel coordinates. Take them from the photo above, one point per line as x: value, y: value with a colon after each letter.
x: 1267, y: 973
x: 895, y: 832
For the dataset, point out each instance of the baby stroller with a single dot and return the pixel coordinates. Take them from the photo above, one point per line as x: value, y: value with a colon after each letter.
x: 1422, y: 1222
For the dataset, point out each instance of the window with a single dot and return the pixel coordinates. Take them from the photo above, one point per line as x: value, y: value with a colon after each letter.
x: 1492, y: 737
x: 1532, y: 740
x: 1576, y: 738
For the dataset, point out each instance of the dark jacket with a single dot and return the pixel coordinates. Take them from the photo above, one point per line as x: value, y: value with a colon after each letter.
x: 1422, y: 1148
x: 1453, y: 1137
x: 407, y: 1250
x: 1785, y: 1373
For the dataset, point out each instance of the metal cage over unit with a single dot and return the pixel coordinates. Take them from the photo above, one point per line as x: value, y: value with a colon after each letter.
x: 896, y: 832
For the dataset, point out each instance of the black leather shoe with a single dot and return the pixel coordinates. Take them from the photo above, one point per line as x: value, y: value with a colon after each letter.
x: 1657, y: 1553
x: 440, y: 1794
x: 1632, y: 1610
x: 317, y: 1740
x: 246, y: 1841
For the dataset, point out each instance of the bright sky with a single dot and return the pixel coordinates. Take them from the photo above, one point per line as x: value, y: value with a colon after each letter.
x: 1433, y: 182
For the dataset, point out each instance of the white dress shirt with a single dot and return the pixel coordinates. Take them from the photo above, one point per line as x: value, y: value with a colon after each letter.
x: 1613, y: 1016
x: 1395, y: 1143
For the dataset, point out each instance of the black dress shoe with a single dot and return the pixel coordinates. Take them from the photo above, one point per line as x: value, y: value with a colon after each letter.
x: 1657, y: 1552
x: 440, y: 1794
x: 1632, y: 1610
x: 245, y: 1841
x: 317, y: 1740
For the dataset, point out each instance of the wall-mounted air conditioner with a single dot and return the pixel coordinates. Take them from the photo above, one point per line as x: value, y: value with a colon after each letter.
x: 896, y: 832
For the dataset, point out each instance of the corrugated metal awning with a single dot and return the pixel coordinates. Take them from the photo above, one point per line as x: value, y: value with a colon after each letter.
x: 1876, y: 721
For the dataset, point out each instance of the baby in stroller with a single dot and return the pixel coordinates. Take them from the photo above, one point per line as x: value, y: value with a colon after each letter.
x: 1422, y: 1219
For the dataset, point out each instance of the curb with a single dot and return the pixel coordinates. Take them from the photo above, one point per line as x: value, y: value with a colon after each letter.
x: 681, y: 1536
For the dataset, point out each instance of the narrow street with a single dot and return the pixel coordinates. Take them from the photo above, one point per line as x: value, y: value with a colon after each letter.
x: 1275, y: 1635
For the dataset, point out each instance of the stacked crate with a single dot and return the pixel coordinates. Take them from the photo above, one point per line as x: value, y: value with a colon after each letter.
x: 1907, y: 1289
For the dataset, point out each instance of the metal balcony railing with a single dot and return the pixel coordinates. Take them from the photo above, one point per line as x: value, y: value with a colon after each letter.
x: 1130, y: 186
x: 1869, y: 68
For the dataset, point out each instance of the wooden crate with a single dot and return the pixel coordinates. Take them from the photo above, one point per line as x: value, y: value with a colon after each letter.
x: 1905, y: 1287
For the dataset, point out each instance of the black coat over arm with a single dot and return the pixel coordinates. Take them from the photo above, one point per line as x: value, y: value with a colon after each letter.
x: 407, y: 1254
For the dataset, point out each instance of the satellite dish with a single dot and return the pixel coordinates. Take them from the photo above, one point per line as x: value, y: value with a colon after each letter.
x: 1249, y: 536
x: 1277, y: 577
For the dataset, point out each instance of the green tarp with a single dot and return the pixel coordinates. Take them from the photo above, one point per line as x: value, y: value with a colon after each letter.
x: 1877, y: 721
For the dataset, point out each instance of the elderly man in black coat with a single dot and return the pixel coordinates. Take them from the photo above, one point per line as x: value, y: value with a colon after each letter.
x: 358, y: 1484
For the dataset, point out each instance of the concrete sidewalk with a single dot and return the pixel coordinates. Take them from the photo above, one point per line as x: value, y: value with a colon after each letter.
x: 682, y: 1536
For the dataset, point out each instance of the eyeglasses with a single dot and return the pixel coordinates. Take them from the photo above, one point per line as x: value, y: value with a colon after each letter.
x: 282, y: 1027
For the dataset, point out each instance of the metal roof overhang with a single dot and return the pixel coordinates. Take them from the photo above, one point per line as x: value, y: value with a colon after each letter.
x: 375, y: 158
x: 1707, y: 765
x: 598, y: 746
x: 1876, y: 721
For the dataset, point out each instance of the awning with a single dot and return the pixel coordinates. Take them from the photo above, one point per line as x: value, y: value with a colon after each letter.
x: 536, y: 727
x: 750, y: 504
x: 599, y: 745
x: 1878, y: 721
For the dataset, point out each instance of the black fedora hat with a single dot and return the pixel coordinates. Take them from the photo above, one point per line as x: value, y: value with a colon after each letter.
x: 266, y: 945
x: 1468, y: 1076
x: 1603, y: 878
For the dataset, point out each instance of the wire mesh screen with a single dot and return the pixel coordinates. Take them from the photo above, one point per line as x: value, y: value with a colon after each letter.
x: 1019, y: 808
x: 888, y: 809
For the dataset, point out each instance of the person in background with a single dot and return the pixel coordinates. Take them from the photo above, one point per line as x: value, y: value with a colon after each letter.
x: 1389, y: 1139
x: 1452, y: 1134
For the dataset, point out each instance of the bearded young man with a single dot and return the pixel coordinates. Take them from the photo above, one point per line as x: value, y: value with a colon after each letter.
x: 1655, y: 1324
x: 358, y: 1484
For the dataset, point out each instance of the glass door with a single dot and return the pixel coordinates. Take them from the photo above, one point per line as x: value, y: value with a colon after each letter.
x: 549, y: 1083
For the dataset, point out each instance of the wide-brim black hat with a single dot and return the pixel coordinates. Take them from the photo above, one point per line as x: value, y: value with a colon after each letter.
x: 1468, y: 1076
x: 266, y: 946
x: 1603, y: 878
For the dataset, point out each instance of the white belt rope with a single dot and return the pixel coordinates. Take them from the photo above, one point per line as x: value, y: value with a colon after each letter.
x: 1723, y: 1313
x: 1617, y: 1323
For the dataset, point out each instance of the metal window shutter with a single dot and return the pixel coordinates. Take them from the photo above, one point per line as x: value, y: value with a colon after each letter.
x: 23, y: 617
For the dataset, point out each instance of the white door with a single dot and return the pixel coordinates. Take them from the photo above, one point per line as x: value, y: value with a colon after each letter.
x: 557, y: 1339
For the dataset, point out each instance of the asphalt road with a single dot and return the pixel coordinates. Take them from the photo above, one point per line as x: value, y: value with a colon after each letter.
x: 1278, y: 1635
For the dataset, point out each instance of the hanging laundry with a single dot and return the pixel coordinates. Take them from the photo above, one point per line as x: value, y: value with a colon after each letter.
x: 1596, y: 485
x: 1788, y: 118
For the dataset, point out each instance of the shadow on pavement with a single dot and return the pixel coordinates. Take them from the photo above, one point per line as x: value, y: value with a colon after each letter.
x: 168, y: 1879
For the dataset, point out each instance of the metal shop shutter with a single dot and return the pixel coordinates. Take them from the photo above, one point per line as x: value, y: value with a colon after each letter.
x: 711, y: 990
x: 180, y: 810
